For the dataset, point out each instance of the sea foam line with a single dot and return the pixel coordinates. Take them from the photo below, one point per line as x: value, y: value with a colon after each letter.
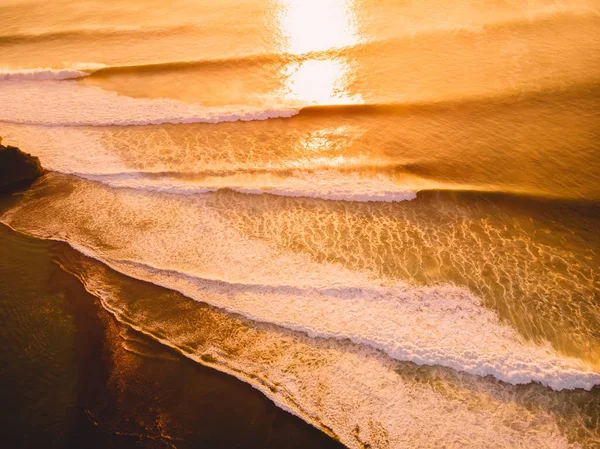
x: 465, y: 336
x: 352, y: 375
x: 325, y: 185
x: 393, y: 318
x: 42, y: 74
x: 68, y: 103
x: 351, y: 371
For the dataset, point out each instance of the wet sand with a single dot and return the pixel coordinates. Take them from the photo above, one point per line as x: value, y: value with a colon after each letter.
x: 71, y: 376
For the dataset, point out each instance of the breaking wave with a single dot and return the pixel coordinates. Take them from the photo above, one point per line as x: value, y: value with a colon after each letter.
x: 41, y: 74
x: 441, y: 324
x: 326, y: 185
x: 71, y: 104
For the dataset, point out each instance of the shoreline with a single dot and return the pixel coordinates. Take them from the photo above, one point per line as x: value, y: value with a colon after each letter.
x: 129, y: 389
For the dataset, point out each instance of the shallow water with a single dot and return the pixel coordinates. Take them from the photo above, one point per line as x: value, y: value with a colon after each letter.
x: 72, y: 376
x: 391, y: 208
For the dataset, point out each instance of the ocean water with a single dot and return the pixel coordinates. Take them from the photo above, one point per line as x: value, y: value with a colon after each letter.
x: 73, y: 377
x: 391, y: 207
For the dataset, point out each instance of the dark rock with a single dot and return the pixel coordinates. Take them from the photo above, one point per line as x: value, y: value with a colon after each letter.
x: 18, y: 169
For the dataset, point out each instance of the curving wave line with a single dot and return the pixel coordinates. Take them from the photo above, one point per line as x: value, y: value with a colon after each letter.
x: 507, y: 100
x: 41, y: 74
x: 92, y: 33
x: 96, y: 70
x: 325, y: 184
x: 67, y: 103
x: 353, y: 183
x: 259, y: 60
x: 391, y: 324
x: 349, y: 189
x: 442, y: 325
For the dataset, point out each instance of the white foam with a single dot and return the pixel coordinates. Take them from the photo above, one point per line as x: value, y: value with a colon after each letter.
x: 68, y: 103
x: 357, y: 393
x: 441, y: 325
x: 324, y: 184
x: 41, y: 74
x: 63, y: 149
x: 185, y: 244
x: 83, y: 153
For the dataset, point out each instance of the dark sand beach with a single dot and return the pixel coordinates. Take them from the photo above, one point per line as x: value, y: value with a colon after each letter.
x: 73, y: 377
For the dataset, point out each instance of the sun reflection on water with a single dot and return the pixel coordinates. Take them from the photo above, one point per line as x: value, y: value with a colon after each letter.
x: 311, y: 29
x: 319, y: 81
x: 317, y: 25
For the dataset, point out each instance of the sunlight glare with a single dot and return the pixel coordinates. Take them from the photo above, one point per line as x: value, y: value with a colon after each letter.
x: 318, y: 26
x: 320, y: 81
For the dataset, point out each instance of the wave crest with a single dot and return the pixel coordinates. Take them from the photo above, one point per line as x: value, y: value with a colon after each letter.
x: 215, y: 263
x: 72, y: 104
x: 326, y: 185
x: 41, y: 74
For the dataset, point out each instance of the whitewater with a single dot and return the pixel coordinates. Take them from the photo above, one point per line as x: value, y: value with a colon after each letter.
x: 382, y: 216
x: 385, y: 317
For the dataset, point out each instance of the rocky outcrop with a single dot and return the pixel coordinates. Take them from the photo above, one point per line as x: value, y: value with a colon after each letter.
x: 18, y: 169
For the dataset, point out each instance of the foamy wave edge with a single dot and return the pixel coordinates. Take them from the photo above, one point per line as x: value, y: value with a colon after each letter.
x: 41, y: 74
x: 339, y: 194
x: 259, y: 384
x: 209, y: 117
x: 69, y: 103
x: 523, y: 371
x: 554, y: 377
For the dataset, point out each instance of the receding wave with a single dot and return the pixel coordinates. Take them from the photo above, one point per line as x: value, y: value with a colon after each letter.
x: 322, y: 380
x: 364, y: 316
x: 385, y: 319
